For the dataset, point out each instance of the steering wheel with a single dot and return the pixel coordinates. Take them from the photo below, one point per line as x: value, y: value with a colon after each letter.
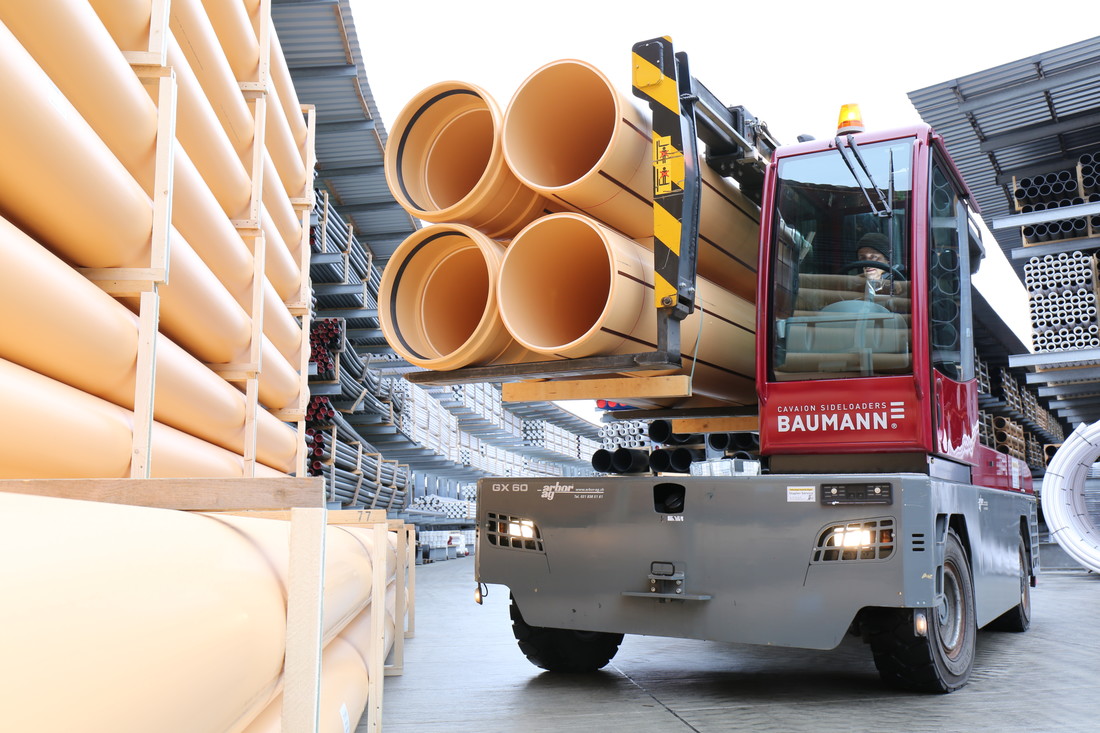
x: 860, y: 264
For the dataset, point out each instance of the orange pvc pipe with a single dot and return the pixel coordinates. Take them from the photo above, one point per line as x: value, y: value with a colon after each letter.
x: 57, y: 431
x: 236, y: 35
x: 200, y: 132
x: 571, y: 136
x: 570, y: 287
x: 444, y: 163
x: 71, y: 45
x: 50, y: 303
x: 111, y: 599
x: 208, y: 57
x: 342, y: 682
x: 221, y: 93
x: 109, y: 219
x: 437, y: 300
x: 188, y: 608
x: 344, y: 686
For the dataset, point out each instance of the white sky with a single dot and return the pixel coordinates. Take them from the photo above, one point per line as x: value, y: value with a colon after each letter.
x: 792, y: 63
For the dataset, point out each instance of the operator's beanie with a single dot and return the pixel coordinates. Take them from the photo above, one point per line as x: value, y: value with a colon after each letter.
x: 875, y: 241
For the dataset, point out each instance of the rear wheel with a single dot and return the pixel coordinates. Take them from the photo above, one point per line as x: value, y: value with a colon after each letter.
x: 940, y: 659
x: 1018, y: 618
x: 563, y: 650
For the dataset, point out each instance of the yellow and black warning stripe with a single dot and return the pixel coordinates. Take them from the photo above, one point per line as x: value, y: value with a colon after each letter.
x: 654, y: 80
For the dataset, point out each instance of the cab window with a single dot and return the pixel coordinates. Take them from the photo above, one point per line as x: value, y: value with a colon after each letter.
x: 840, y: 257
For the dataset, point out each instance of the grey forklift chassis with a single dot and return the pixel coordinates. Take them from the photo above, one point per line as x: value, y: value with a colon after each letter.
x: 741, y: 561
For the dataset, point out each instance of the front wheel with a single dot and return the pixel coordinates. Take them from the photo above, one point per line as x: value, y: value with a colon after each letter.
x: 941, y: 659
x: 563, y: 650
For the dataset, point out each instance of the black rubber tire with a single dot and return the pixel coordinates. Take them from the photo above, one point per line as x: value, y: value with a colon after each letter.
x: 942, y: 659
x: 563, y: 650
x: 1018, y: 618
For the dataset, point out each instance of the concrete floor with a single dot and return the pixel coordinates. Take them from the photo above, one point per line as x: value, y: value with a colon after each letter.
x: 464, y: 673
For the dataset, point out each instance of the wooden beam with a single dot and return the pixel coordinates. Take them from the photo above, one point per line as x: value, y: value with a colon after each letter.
x: 619, y: 389
x: 716, y: 424
x: 190, y: 494
x: 304, y: 621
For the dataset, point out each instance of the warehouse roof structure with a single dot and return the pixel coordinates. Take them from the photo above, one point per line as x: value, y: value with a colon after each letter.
x: 1031, y: 116
x: 322, y: 51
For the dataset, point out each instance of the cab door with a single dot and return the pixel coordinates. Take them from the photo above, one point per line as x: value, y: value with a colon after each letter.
x: 950, y: 318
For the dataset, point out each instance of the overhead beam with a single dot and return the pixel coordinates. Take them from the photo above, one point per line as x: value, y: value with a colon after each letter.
x: 331, y: 71
x: 346, y: 125
x: 370, y: 208
x: 1052, y: 376
x: 1048, y: 83
x: 1038, y: 132
x: 350, y: 171
x: 1040, y: 217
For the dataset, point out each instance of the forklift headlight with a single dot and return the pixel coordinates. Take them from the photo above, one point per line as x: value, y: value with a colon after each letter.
x: 522, y: 528
x: 872, y: 539
x: 851, y: 537
x: 518, y: 533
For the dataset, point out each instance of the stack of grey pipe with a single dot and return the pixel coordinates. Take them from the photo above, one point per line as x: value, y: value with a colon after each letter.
x: 339, y: 258
x: 1070, y: 187
x: 448, y: 507
x: 1034, y: 451
x: 1047, y: 192
x: 624, y: 434
x: 355, y: 474
x: 672, y: 452
x: 1063, y: 301
x: 544, y: 434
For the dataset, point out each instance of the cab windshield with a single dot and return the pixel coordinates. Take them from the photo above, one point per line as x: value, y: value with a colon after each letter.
x: 840, y: 258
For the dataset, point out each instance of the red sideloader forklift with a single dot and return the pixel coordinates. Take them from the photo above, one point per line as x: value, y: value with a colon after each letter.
x: 878, y: 511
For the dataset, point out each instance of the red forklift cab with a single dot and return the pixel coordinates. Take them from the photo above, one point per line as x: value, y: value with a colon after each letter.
x: 870, y: 368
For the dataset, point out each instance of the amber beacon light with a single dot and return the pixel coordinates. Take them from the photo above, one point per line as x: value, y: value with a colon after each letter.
x: 851, y: 119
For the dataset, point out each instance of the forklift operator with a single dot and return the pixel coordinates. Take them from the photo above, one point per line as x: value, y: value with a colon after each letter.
x: 875, y: 247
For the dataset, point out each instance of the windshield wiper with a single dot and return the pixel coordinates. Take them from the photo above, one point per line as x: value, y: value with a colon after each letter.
x: 887, y: 209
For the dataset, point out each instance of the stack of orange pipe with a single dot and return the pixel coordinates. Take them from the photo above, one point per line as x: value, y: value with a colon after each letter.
x: 172, y: 621
x: 547, y: 210
x: 76, y: 190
